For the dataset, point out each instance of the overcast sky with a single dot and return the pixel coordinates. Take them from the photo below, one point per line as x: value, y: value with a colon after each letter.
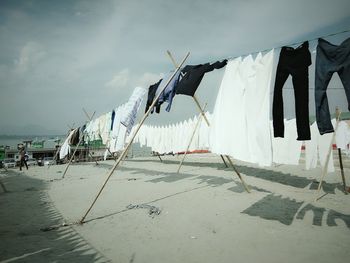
x: 57, y: 57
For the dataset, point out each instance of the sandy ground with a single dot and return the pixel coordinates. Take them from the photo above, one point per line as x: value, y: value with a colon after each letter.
x: 206, y: 216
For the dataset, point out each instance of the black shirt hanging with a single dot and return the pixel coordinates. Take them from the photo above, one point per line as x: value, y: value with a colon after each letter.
x: 192, y: 75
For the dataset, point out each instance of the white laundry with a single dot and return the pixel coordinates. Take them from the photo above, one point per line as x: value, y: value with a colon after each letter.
x: 286, y: 150
x: 324, y: 142
x: 131, y: 108
x: 342, y: 135
x: 311, y: 148
x: 240, y: 125
x: 65, y: 148
x: 228, y: 111
x: 258, y: 109
x: 316, y: 149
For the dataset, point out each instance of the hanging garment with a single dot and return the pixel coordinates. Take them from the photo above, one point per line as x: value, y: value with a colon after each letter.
x: 116, y: 129
x: 101, y: 126
x: 74, y: 139
x: 311, y: 148
x: 228, y: 112
x: 258, y: 110
x: 112, y: 119
x: 323, y: 147
x: 151, y: 95
x: 169, y: 92
x: 316, y: 150
x: 204, y: 135
x: 240, y: 126
x: 287, y: 150
x: 131, y: 108
x: 342, y: 135
x: 105, y: 126
x: 92, y: 130
x: 65, y: 148
x: 329, y: 59
x: 293, y: 62
x: 192, y: 75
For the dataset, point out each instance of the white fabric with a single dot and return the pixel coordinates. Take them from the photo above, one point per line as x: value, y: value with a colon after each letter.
x: 324, y: 142
x: 317, y: 148
x: 311, y: 148
x: 240, y: 125
x: 287, y: 150
x: 174, y: 138
x: 132, y: 107
x: 228, y: 112
x: 258, y: 109
x: 342, y: 135
x: 65, y: 148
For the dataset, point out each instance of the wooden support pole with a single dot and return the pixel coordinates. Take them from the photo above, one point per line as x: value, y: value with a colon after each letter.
x: 325, y: 168
x: 191, y: 139
x: 342, y: 171
x: 71, y: 158
x: 132, y: 138
x: 223, y: 159
x: 75, y: 150
x: 90, y: 119
x: 197, y: 103
x: 201, y: 110
x: 239, y: 175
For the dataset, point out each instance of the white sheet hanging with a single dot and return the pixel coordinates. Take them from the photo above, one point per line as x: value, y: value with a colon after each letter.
x: 317, y: 148
x: 240, y: 125
x: 65, y: 147
x: 287, y: 150
x: 228, y: 111
x: 258, y: 109
x: 342, y: 135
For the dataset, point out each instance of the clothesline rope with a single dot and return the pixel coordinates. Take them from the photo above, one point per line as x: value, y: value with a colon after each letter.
x: 293, y: 44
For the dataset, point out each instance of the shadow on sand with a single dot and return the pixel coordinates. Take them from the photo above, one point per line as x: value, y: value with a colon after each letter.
x: 26, y: 208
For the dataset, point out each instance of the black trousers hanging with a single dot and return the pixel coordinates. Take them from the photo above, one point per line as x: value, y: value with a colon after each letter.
x: 294, y: 62
x: 330, y: 59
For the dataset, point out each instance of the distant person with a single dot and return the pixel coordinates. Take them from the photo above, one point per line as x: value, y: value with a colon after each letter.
x: 23, y: 158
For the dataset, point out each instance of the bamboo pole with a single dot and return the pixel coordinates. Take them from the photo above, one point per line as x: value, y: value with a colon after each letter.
x: 342, y: 171
x: 90, y: 119
x: 75, y: 150
x: 201, y: 110
x: 71, y: 158
x: 223, y: 159
x: 325, y: 168
x: 131, y: 140
x: 239, y: 175
x: 191, y: 139
x: 56, y: 153
x: 197, y: 103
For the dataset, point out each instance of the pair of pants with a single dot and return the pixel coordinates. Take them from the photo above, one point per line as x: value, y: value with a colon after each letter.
x: 293, y: 62
x: 329, y: 59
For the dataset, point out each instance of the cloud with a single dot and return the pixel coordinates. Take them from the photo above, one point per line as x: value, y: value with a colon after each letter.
x: 30, y: 55
x: 125, y: 78
x: 148, y: 79
x: 120, y: 80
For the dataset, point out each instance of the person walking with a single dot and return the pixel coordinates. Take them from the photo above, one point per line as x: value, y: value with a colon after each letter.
x: 23, y: 158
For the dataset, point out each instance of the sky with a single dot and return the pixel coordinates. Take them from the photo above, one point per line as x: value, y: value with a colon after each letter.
x: 58, y: 57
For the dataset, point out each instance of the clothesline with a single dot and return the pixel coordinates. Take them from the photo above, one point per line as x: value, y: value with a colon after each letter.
x: 293, y: 44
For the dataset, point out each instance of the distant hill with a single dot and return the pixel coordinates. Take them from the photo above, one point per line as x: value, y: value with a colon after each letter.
x: 28, y: 130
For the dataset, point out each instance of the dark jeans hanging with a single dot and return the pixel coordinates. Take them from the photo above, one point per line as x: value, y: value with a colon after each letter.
x: 329, y: 59
x: 294, y: 62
